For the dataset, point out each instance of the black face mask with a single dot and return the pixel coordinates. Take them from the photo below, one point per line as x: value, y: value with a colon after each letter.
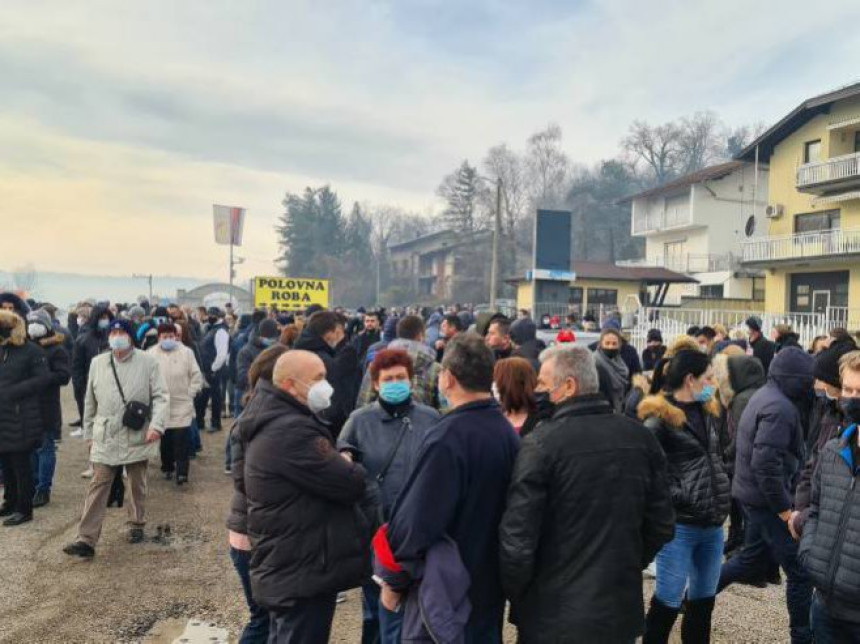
x: 610, y: 353
x: 850, y: 409
x: 213, y: 319
x: 545, y: 407
x: 5, y: 332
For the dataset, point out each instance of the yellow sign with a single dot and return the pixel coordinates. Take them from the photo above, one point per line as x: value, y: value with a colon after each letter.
x: 290, y: 293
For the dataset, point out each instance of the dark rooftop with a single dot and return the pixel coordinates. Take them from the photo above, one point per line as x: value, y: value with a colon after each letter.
x: 647, y: 274
x: 705, y: 174
x: 800, y: 115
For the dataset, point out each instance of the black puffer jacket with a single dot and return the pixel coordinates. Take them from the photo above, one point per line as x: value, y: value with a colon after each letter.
x: 697, y: 476
x: 57, y: 359
x: 91, y: 341
x: 341, y: 366
x: 827, y: 426
x: 588, y: 508
x: 23, y: 379
x: 309, y: 536
x: 770, y: 445
x: 830, y: 547
x: 746, y: 376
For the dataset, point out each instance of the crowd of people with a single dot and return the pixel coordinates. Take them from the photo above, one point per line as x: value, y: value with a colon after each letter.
x: 449, y: 463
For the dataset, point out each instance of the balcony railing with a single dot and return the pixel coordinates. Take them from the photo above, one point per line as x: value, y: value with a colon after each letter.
x: 829, y: 171
x: 655, y: 221
x: 821, y: 243
x: 688, y: 263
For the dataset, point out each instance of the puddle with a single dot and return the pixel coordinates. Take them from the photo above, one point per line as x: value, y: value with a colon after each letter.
x: 182, y: 630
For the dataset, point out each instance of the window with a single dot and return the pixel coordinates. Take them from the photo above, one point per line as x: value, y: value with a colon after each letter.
x: 815, y: 221
x: 812, y: 151
x: 675, y: 255
x: 602, y: 296
x: 575, y: 295
x: 711, y: 292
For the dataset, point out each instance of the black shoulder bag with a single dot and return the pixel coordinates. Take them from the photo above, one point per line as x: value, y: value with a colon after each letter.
x: 136, y: 413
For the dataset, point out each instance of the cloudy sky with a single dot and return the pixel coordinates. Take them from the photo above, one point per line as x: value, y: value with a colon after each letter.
x: 122, y: 122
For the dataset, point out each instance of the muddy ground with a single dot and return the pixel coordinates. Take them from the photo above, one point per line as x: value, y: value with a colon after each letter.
x: 139, y: 593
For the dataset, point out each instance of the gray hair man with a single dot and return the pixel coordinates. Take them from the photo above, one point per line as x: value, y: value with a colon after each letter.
x: 588, y: 509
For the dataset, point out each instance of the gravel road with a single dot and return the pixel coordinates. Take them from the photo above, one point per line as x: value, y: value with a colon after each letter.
x: 129, y: 593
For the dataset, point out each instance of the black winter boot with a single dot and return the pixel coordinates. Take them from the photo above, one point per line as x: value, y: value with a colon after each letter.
x: 659, y: 622
x: 41, y: 498
x: 696, y: 627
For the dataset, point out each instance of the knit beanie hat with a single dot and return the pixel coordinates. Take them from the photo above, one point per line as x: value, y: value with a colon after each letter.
x: 654, y: 335
x: 40, y: 316
x: 523, y: 330
x: 826, y: 366
x: 268, y: 329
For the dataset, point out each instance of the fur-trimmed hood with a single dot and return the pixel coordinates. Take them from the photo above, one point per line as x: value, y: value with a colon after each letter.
x: 641, y: 382
x: 661, y: 407
x: 10, y: 320
x: 52, y: 340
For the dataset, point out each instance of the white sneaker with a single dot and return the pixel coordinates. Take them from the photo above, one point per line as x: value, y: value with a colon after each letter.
x: 87, y: 474
x: 77, y: 433
x: 341, y: 598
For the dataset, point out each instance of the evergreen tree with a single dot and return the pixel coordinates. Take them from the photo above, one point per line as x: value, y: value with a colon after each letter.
x: 462, y: 191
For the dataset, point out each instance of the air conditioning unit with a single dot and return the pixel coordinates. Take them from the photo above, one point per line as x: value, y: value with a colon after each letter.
x: 774, y: 210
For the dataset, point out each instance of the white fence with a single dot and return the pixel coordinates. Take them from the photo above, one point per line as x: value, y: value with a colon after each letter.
x: 842, y: 167
x: 673, y: 323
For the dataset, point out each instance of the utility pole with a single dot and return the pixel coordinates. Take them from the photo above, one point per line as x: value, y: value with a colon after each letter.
x: 148, y: 278
x: 497, y: 232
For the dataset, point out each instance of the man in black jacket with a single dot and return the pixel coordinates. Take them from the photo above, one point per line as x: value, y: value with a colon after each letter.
x: 763, y: 349
x: 324, y: 335
x: 458, y: 488
x: 40, y: 329
x: 829, y: 547
x: 91, y: 341
x: 309, y: 539
x: 770, y: 451
x: 588, y: 509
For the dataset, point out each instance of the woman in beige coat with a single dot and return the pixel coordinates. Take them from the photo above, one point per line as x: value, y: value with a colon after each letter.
x: 184, y: 380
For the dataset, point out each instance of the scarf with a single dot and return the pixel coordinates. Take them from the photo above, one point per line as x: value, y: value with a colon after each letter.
x: 619, y: 376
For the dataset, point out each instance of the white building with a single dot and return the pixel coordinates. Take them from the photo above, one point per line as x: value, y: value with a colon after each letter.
x: 695, y: 225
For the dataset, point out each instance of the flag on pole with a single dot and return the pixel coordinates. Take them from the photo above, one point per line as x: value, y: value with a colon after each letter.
x: 229, y: 223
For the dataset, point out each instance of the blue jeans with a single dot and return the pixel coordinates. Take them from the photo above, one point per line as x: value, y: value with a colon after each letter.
x: 44, y: 464
x: 257, y: 629
x: 690, y: 561
x: 194, y: 437
x: 766, y: 536
x: 378, y: 620
x: 828, y: 630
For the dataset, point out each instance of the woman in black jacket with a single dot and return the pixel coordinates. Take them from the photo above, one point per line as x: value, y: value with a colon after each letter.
x: 682, y: 412
x: 41, y: 330
x: 23, y: 378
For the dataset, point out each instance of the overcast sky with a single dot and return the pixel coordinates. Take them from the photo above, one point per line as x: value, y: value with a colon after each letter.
x: 122, y: 122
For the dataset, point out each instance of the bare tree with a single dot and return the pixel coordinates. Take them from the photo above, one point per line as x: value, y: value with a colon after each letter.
x: 740, y: 137
x: 548, y: 167
x: 657, y: 146
x: 25, y: 278
x: 503, y: 163
x: 702, y: 137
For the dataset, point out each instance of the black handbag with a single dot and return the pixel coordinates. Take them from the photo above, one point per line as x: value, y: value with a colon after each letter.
x: 136, y: 413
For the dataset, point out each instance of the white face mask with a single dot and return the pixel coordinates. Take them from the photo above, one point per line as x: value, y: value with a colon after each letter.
x: 496, y: 394
x: 119, y: 342
x: 36, y: 330
x: 319, y: 396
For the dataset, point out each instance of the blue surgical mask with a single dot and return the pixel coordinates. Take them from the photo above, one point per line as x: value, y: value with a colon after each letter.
x: 119, y: 342
x: 169, y: 344
x: 706, y: 395
x: 267, y: 342
x: 395, y: 392
x: 103, y: 324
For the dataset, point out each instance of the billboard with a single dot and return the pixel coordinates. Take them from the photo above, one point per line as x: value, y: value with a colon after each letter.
x: 229, y: 224
x: 290, y: 293
x: 552, y: 241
